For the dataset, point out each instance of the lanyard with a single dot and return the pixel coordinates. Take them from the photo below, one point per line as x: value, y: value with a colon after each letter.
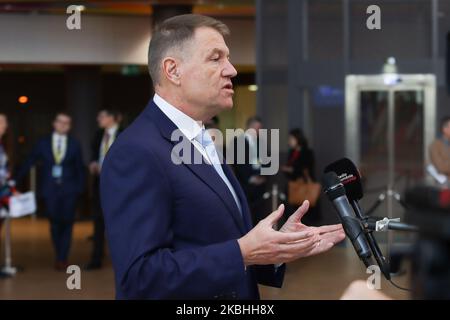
x: 57, y: 151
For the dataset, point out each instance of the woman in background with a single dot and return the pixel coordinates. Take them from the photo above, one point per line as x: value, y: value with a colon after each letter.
x: 300, y: 164
x: 5, y: 164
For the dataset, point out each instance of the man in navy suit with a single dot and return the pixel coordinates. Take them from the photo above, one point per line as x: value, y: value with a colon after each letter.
x: 108, y: 122
x: 61, y: 181
x: 182, y: 230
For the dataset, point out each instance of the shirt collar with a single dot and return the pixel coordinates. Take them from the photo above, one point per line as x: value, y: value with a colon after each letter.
x: 188, y: 126
x: 57, y: 135
x: 111, y: 131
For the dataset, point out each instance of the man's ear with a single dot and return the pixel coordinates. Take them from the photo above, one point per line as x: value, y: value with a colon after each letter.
x: 171, y: 70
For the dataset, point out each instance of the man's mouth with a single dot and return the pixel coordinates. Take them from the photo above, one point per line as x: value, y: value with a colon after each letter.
x: 228, y: 86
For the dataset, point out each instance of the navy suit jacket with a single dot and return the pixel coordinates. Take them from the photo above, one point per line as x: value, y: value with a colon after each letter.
x: 73, y: 178
x: 173, y: 229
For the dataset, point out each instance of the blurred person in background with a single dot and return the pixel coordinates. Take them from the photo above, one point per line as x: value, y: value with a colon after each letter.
x: 249, y: 172
x: 109, y: 128
x: 6, y: 164
x: 300, y: 166
x: 60, y: 183
x: 440, y: 149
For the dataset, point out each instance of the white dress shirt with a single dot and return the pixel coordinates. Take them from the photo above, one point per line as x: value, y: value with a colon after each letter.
x: 191, y: 129
x: 112, y: 136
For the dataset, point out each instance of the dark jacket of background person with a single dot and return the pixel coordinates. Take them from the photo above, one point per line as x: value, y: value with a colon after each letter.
x: 73, y: 178
x: 97, y: 142
x: 302, y: 163
x: 244, y: 171
x: 99, y: 223
x: 254, y: 192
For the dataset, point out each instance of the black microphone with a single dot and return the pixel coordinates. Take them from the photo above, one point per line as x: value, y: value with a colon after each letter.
x: 352, y: 226
x: 350, y: 177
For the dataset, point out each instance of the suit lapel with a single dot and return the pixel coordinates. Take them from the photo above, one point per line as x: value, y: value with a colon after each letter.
x: 204, y: 171
x: 69, y: 147
x: 49, y: 148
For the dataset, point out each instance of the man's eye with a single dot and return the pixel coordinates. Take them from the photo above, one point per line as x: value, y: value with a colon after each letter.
x: 215, y: 58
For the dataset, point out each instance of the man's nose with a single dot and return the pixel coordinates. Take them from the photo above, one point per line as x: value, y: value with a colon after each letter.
x: 229, y: 70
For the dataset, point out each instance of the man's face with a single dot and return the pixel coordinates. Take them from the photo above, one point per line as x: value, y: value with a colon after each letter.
x: 206, y: 72
x: 105, y: 120
x: 257, y: 126
x: 62, y: 124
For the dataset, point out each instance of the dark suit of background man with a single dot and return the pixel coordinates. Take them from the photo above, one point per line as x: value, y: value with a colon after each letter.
x: 183, y: 231
x: 249, y: 172
x: 108, y: 122
x: 61, y: 181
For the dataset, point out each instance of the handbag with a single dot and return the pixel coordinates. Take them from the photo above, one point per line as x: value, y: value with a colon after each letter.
x: 303, y: 189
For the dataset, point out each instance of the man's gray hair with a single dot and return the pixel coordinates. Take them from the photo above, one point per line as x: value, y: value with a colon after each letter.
x: 174, y: 33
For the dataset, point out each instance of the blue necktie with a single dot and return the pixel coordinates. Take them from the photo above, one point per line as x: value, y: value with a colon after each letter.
x: 204, y: 138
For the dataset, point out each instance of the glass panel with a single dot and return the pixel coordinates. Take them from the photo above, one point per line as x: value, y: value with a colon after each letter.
x: 408, y: 156
x: 373, y: 144
x: 409, y: 132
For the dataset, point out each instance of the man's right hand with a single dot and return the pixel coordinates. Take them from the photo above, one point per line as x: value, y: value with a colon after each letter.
x: 264, y: 245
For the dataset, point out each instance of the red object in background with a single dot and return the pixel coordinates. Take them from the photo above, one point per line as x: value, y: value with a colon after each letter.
x: 4, y: 201
x: 444, y: 198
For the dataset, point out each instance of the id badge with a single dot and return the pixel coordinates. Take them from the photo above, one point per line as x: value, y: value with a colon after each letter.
x: 57, y: 171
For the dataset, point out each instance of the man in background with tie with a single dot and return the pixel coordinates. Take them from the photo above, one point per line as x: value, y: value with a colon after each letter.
x: 60, y: 182
x: 109, y: 128
x: 182, y: 230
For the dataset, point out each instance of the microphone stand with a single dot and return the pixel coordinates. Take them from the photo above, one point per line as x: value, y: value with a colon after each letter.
x: 388, y: 224
x: 376, y: 251
x: 370, y: 225
x: 382, y: 197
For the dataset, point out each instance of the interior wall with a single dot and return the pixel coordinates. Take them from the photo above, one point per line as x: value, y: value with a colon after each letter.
x: 45, y: 39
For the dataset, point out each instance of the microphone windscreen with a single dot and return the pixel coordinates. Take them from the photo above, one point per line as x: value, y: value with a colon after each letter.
x: 332, y: 185
x: 349, y: 176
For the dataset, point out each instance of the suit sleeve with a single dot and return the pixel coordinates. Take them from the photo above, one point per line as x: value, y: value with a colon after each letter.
x: 95, y: 147
x: 30, y: 161
x: 137, y: 202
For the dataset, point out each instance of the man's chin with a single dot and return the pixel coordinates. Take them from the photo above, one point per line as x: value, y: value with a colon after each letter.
x: 227, y: 105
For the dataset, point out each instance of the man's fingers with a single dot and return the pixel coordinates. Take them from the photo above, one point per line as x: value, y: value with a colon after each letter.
x: 335, y: 236
x: 330, y: 228
x: 300, y: 212
x: 297, y: 248
x: 272, y: 218
x: 320, y: 247
x: 287, y: 237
